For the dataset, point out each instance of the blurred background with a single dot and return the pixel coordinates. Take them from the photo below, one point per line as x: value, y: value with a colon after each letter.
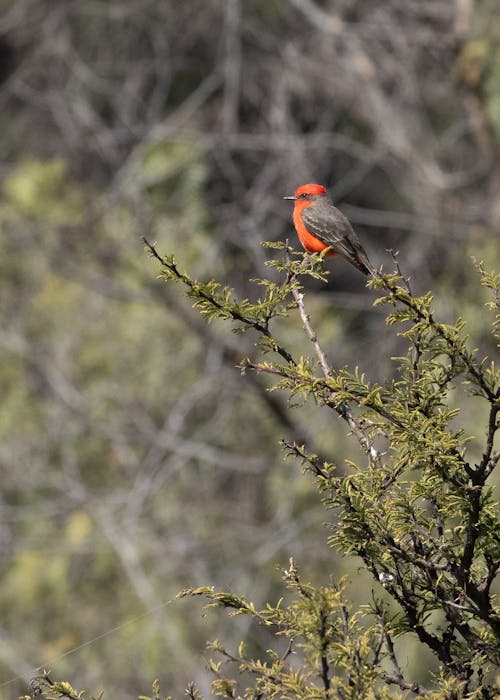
x: 135, y: 459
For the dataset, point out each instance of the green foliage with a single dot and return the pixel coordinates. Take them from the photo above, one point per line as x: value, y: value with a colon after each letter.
x: 419, y: 514
x: 318, y: 625
x: 491, y: 280
x: 43, y: 685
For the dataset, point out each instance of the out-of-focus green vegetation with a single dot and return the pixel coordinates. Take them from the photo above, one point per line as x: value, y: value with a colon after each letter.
x: 135, y: 459
x: 479, y: 63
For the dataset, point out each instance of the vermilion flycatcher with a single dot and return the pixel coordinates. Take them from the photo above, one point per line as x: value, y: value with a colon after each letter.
x: 321, y: 226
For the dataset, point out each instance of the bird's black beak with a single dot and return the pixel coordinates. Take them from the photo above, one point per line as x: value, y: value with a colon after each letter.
x: 290, y: 197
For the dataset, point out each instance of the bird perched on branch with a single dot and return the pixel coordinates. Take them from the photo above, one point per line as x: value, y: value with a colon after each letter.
x: 322, y: 227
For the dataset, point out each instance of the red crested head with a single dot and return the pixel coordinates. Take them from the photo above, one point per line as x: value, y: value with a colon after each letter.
x: 310, y: 189
x: 307, y: 194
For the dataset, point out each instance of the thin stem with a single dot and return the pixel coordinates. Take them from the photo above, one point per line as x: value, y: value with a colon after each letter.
x: 235, y: 315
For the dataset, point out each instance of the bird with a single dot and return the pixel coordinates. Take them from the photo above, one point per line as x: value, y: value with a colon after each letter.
x: 322, y: 228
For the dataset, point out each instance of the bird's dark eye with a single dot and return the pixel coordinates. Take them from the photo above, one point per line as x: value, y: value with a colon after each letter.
x: 304, y: 195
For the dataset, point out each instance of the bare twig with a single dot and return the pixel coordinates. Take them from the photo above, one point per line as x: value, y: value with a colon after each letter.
x: 343, y: 410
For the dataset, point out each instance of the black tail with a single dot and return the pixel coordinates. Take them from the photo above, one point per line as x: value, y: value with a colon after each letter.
x: 364, y: 265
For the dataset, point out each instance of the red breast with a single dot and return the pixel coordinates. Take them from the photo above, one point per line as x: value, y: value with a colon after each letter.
x: 309, y: 242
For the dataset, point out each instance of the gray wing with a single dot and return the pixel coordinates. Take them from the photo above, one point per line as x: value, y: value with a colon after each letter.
x: 327, y: 223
